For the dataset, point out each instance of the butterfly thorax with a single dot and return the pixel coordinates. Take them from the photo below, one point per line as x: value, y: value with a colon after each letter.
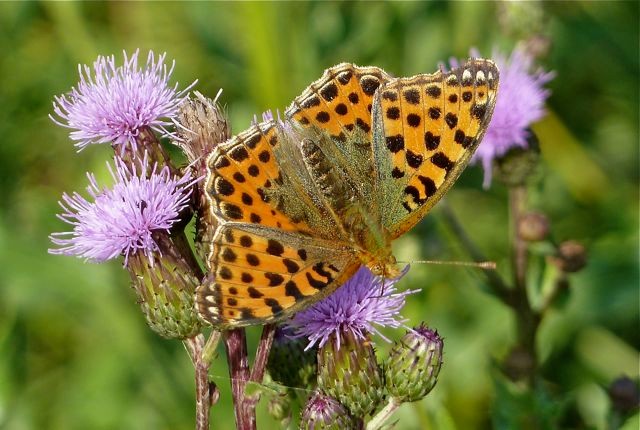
x: 342, y: 175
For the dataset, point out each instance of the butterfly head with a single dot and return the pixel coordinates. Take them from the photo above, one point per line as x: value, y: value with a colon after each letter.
x: 385, y: 266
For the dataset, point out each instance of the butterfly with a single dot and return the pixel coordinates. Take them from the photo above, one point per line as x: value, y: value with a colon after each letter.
x: 359, y: 158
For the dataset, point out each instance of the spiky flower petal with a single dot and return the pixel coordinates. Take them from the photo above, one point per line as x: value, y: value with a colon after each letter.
x: 121, y: 220
x: 362, y: 304
x: 112, y: 104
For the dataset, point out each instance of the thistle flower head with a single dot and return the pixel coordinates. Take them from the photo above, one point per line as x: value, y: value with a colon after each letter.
x: 121, y: 220
x: 359, y: 306
x: 350, y: 373
x: 520, y: 103
x: 112, y: 104
x: 324, y: 412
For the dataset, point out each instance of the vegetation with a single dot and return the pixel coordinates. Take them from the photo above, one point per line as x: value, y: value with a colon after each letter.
x: 75, y: 351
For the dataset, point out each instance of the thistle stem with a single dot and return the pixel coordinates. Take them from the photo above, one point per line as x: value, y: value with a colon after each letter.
x: 236, y: 343
x: 517, y: 201
x: 385, y: 413
x: 195, y: 346
x: 260, y: 362
x: 210, y: 347
x: 498, y: 286
x: 526, y: 319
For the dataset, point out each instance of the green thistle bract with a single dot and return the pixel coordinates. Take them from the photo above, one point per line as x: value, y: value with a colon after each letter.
x: 350, y: 373
x: 413, y: 365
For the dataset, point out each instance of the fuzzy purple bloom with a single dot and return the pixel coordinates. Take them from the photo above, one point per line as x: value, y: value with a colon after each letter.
x: 362, y: 303
x: 112, y: 104
x: 121, y: 220
x: 520, y: 103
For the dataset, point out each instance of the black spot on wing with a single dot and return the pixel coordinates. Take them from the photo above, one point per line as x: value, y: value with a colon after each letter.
x: 311, y: 102
x: 479, y: 110
x: 441, y: 160
x: 413, y: 160
x: 239, y: 153
x: 275, y: 279
x: 291, y: 289
x: 329, y: 91
x: 413, y: 120
x: 428, y: 184
x: 369, y: 84
x: 275, y: 248
x: 275, y: 306
x: 412, y: 96
x: 395, y: 143
x: 431, y: 141
x: 390, y: 95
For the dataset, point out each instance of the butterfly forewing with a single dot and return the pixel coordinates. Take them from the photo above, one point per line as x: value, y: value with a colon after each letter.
x: 426, y: 129
x: 340, y: 101
x: 242, y: 171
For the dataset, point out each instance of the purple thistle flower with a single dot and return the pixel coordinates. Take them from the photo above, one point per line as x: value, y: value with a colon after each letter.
x: 112, y: 104
x: 520, y: 103
x: 362, y: 303
x: 121, y: 220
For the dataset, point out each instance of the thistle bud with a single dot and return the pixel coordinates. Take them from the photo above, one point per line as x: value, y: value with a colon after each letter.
x: 533, y: 227
x: 289, y: 364
x: 203, y: 125
x: 570, y: 257
x: 165, y: 285
x: 323, y: 412
x: 515, y: 167
x: 349, y: 372
x: 624, y: 395
x: 413, y: 365
x: 521, y: 19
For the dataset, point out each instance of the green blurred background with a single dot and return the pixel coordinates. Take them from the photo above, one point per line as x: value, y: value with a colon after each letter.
x: 74, y: 348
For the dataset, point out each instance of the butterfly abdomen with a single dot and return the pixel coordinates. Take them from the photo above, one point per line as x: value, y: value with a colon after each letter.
x: 328, y: 177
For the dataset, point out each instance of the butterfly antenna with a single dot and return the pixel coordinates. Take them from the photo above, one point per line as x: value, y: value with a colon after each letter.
x: 485, y: 265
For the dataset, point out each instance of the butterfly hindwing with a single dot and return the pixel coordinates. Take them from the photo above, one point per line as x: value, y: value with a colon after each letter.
x: 260, y: 274
x: 426, y: 129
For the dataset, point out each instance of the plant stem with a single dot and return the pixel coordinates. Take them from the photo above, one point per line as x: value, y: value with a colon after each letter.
x: 195, y: 346
x: 517, y: 201
x: 385, y: 413
x: 236, y: 343
x: 210, y: 347
x: 260, y: 362
x: 526, y: 319
x: 498, y: 286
